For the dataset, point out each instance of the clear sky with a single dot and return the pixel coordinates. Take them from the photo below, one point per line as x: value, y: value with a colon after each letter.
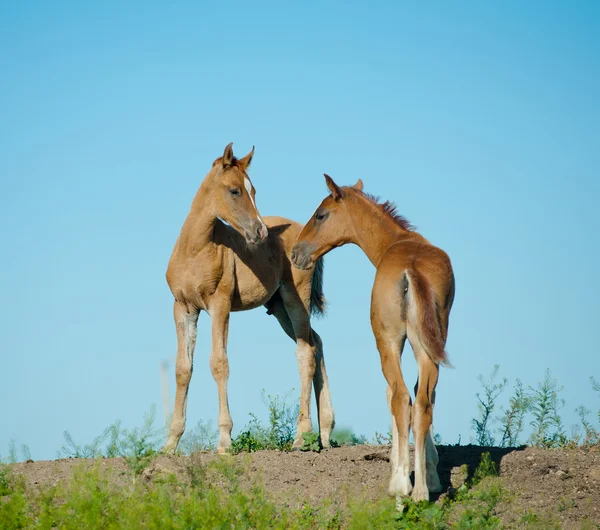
x: 481, y: 120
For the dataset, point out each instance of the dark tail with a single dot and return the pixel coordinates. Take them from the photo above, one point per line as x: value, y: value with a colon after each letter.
x: 317, y: 299
x: 423, y: 312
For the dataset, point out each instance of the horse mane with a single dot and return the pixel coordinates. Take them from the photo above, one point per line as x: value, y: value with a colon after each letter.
x: 388, y: 208
x: 234, y: 162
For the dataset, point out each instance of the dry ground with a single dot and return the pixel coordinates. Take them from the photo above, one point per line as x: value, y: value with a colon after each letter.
x: 562, y: 483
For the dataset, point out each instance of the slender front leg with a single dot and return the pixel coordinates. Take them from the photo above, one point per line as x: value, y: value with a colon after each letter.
x: 185, y: 324
x: 219, y: 366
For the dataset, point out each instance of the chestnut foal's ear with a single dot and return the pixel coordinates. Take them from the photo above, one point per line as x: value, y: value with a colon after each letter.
x: 228, y: 155
x: 359, y: 185
x: 336, y: 192
x: 244, y: 163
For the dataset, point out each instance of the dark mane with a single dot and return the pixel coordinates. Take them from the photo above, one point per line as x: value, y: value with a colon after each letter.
x: 234, y: 162
x: 388, y: 208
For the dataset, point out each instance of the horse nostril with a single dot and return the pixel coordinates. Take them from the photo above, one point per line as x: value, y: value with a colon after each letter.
x: 293, y: 256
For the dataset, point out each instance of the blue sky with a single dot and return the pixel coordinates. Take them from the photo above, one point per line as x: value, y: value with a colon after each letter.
x: 479, y: 119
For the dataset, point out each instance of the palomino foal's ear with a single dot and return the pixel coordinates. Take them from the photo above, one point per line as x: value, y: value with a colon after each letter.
x: 228, y: 155
x: 244, y: 163
x: 336, y: 192
x: 359, y: 185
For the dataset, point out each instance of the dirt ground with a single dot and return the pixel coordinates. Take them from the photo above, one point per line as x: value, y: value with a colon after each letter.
x: 564, y: 484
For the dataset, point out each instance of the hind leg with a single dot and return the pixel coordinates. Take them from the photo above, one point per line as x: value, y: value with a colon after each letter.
x: 422, y: 418
x: 431, y: 455
x: 277, y: 307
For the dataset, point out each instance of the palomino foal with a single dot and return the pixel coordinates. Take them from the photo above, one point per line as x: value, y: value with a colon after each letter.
x: 412, y: 296
x: 228, y: 258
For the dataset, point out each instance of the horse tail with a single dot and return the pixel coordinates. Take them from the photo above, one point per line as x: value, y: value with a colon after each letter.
x: 424, y: 316
x: 317, y: 298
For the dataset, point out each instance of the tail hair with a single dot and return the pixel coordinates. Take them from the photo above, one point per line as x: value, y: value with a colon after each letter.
x: 317, y: 298
x: 424, y: 313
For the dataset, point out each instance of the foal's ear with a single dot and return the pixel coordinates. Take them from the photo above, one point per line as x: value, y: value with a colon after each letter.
x: 244, y: 163
x: 228, y: 155
x: 336, y: 192
x: 359, y: 185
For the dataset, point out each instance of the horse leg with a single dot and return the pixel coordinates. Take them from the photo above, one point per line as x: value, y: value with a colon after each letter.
x: 431, y: 454
x: 322, y: 394
x: 422, y: 419
x: 325, y: 412
x: 306, y: 357
x: 185, y: 324
x: 390, y: 350
x: 219, y: 367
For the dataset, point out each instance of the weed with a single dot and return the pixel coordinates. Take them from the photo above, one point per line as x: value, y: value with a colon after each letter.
x: 486, y: 468
x: 311, y: 442
x: 139, y: 445
x: 203, y: 437
x: 513, y: 416
x: 486, y: 406
x: 278, y: 435
x: 548, y: 430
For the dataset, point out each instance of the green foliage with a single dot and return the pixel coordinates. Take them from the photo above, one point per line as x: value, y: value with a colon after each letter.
x: 202, y: 437
x: 139, y: 445
x: 486, y: 406
x: 548, y: 430
x: 311, y: 442
x: 279, y: 434
x: 486, y: 468
x: 513, y: 416
x: 383, y: 439
x: 345, y: 436
x: 71, y: 449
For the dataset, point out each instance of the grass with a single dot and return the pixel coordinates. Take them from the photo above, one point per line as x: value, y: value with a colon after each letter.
x: 541, y: 404
x: 225, y: 494
x: 214, y: 496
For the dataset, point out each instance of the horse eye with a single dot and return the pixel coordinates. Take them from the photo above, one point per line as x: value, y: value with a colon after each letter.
x: 234, y: 191
x: 319, y: 216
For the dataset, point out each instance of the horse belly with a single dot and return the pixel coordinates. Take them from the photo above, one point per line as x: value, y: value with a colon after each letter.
x: 256, y: 281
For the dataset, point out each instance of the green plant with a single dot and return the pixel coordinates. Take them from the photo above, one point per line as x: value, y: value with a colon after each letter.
x: 548, y: 430
x: 138, y: 446
x: 383, y: 439
x: 513, y: 416
x: 486, y: 468
x: 280, y: 431
x: 311, y: 442
x: 71, y: 449
x: 486, y: 406
x: 202, y: 437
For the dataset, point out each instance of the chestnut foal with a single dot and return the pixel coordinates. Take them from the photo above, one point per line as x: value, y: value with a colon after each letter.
x: 412, y: 296
x: 228, y: 258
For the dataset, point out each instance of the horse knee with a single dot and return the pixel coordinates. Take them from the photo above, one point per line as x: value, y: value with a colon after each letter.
x: 183, y: 375
x: 219, y: 366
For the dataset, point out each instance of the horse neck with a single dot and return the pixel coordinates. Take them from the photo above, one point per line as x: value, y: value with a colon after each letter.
x: 374, y: 230
x: 198, y: 228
